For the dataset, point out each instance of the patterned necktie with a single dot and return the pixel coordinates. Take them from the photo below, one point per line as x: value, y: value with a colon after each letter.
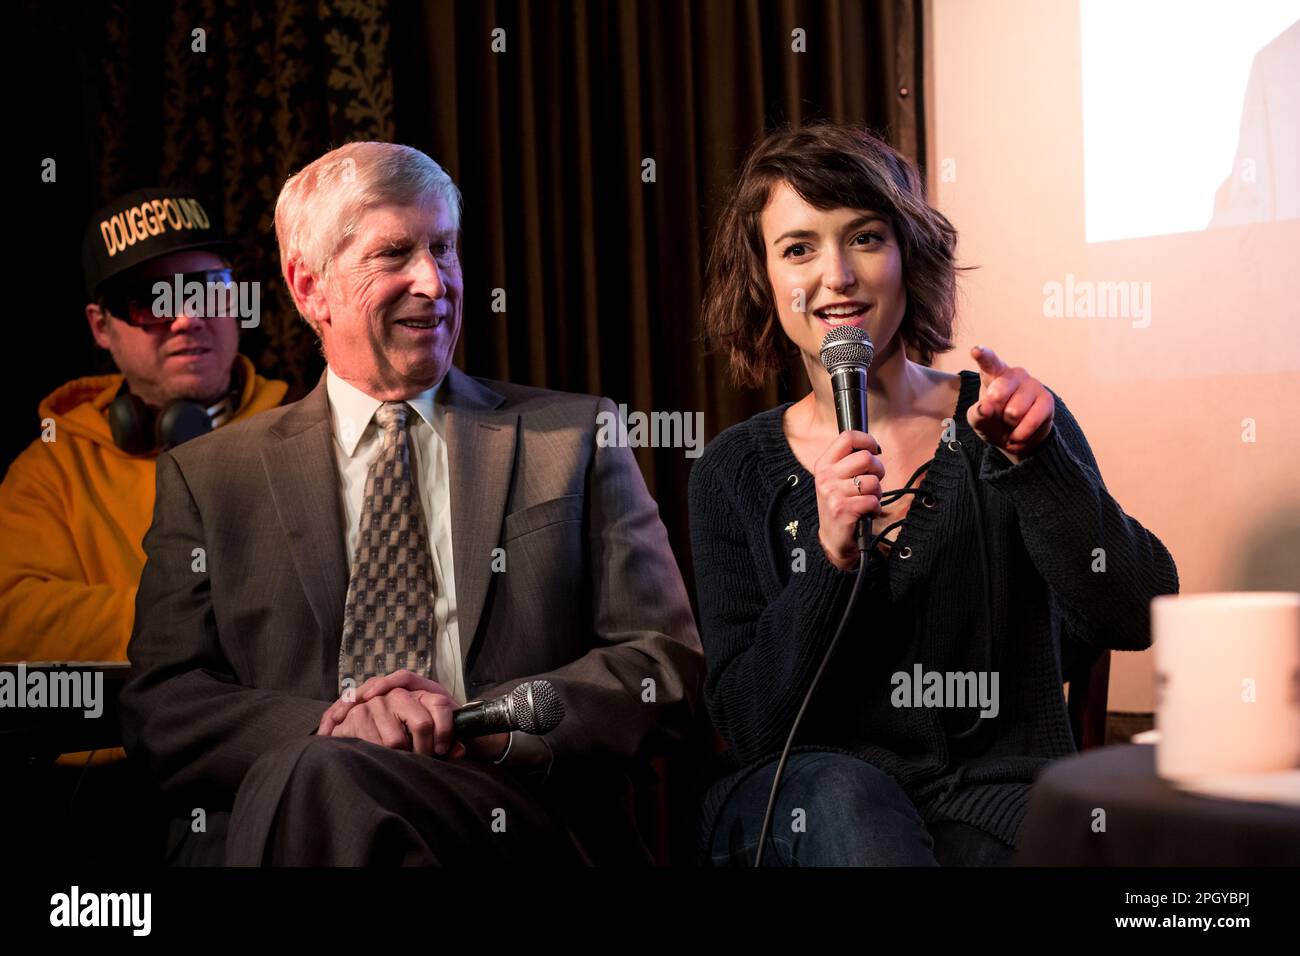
x: 388, y: 618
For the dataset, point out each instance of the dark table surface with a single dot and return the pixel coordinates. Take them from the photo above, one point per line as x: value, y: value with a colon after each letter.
x: 1147, y: 821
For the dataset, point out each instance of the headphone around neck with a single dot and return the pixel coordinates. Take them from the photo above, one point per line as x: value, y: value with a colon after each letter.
x: 140, y: 429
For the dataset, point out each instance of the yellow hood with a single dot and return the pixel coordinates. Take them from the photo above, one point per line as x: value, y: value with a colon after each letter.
x: 79, y: 407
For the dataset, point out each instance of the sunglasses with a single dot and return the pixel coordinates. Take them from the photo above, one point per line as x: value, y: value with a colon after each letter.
x: 135, y: 301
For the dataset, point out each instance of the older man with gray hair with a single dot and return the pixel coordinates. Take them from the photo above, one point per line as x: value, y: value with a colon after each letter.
x: 327, y: 583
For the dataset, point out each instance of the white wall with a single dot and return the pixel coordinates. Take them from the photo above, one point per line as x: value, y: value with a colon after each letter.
x: 1162, y: 403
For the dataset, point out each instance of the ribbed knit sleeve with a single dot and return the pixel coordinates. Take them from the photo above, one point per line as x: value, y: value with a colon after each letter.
x: 1066, y: 514
x: 761, y: 645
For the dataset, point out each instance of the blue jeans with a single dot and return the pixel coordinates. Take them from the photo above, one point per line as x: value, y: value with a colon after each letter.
x: 836, y: 810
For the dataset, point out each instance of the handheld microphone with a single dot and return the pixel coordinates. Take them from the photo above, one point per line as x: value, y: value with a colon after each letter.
x: 846, y: 354
x: 531, y: 708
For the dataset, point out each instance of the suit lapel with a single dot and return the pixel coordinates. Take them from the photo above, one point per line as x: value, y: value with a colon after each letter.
x: 304, y: 481
x: 480, y: 462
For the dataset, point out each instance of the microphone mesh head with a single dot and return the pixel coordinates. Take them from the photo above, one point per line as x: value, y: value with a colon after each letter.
x: 536, y: 706
x: 847, y: 345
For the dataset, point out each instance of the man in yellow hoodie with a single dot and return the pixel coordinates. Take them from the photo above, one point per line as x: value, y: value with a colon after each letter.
x: 75, y: 505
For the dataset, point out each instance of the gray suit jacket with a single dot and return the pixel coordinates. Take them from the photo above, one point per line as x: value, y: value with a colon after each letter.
x: 235, y: 648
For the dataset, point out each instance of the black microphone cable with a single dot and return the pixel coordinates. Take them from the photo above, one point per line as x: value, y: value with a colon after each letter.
x: 861, y: 576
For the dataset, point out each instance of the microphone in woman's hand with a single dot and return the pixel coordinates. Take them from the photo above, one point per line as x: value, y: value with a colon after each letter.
x: 847, y: 353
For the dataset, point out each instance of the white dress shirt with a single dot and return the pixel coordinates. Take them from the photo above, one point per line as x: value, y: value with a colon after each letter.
x: 358, y: 440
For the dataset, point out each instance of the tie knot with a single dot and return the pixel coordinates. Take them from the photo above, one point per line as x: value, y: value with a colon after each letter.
x: 392, y: 415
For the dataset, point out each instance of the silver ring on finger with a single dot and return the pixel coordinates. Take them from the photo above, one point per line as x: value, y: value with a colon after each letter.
x: 857, y: 483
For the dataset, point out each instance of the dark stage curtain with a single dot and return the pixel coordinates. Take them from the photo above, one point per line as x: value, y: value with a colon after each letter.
x: 602, y: 271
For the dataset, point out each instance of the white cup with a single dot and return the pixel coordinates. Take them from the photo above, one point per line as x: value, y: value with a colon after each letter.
x: 1227, y: 683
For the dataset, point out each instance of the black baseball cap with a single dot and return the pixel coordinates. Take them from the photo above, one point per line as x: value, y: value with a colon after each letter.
x: 142, y: 225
